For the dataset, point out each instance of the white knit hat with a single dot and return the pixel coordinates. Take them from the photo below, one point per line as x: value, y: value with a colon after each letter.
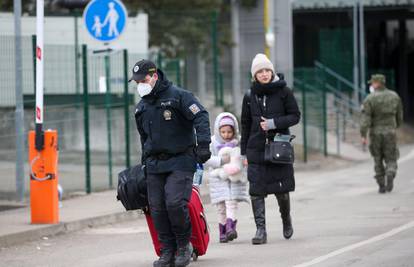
x: 260, y: 61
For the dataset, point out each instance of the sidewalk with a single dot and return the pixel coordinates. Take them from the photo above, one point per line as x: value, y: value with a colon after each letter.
x: 75, y: 214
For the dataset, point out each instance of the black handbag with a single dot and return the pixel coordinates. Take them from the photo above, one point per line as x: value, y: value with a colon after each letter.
x: 132, y: 188
x: 280, y: 150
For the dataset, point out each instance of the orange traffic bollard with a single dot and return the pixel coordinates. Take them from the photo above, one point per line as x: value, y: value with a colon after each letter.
x: 44, y: 201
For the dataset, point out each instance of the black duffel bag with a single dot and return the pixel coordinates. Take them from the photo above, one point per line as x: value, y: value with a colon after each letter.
x: 132, y: 188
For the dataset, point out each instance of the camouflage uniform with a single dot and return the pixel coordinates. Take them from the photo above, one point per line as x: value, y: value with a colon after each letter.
x: 381, y: 115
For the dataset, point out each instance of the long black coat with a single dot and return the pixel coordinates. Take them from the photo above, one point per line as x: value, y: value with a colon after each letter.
x: 272, y: 101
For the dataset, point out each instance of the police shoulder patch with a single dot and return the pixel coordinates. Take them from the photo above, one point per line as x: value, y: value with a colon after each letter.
x: 194, y: 109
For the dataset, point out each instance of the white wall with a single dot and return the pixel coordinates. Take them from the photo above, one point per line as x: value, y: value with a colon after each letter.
x: 60, y: 31
x: 59, y: 53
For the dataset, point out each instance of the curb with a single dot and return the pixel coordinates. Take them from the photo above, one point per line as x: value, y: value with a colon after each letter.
x: 66, y: 227
x: 76, y: 225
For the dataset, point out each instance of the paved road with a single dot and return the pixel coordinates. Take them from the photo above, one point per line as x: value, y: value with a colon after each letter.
x: 339, y: 220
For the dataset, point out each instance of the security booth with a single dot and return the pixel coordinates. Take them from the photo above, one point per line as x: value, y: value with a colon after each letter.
x: 386, y: 44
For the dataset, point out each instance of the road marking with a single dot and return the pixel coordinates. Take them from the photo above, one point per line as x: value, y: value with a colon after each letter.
x: 407, y: 157
x: 357, y: 245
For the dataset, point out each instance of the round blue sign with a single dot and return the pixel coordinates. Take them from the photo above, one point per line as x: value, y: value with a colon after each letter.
x: 105, y: 20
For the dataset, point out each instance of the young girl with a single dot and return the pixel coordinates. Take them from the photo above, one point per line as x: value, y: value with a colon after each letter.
x: 224, y: 193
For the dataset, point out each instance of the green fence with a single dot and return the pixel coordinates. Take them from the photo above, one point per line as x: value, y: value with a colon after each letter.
x: 329, y: 108
x: 312, y: 101
x: 335, y: 50
x: 90, y: 104
x: 87, y: 99
x: 7, y: 71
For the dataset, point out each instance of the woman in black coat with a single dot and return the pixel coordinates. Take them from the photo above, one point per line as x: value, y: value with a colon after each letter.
x: 268, y: 108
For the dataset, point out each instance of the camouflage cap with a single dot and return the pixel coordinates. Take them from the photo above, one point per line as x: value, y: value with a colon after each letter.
x: 377, y: 78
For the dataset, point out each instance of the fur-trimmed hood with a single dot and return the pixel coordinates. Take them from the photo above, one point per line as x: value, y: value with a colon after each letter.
x: 217, y: 136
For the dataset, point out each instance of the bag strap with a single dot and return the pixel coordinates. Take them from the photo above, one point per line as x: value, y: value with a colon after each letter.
x: 248, y: 95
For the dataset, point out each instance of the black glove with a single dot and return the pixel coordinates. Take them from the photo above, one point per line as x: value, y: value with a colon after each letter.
x: 203, y: 153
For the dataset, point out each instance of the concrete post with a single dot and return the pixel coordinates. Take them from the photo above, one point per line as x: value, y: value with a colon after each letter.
x: 283, y: 29
x: 236, y: 81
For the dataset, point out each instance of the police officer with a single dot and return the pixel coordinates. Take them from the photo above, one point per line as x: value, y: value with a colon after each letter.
x: 175, y: 135
x: 382, y: 113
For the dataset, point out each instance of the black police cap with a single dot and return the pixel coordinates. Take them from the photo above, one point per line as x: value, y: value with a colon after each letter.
x: 141, y: 69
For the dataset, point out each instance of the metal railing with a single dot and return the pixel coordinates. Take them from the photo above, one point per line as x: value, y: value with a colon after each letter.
x: 341, y: 83
x: 328, y: 106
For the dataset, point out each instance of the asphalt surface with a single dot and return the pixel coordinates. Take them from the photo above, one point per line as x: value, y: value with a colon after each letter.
x: 338, y: 216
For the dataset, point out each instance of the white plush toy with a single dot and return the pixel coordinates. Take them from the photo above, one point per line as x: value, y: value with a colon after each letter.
x: 232, y: 170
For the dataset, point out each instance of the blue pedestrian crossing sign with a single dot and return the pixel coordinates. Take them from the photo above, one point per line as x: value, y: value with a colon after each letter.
x: 105, y: 20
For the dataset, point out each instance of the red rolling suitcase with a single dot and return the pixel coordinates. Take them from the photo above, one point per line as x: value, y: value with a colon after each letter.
x: 200, y: 235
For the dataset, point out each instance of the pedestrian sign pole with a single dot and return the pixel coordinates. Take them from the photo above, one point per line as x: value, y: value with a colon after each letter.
x: 43, y: 146
x: 105, y: 21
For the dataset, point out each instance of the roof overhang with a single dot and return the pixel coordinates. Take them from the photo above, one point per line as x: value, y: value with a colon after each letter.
x: 340, y: 4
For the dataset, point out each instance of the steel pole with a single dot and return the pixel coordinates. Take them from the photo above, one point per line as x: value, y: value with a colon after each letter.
x: 108, y: 115
x: 362, y: 49
x: 86, y: 118
x: 355, y: 49
x: 236, y: 84
x: 77, y: 75
x: 126, y: 111
x: 304, y: 125
x: 34, y: 64
x: 19, y: 113
x: 325, y: 122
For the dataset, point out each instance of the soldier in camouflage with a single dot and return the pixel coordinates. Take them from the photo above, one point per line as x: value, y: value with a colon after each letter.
x: 382, y: 113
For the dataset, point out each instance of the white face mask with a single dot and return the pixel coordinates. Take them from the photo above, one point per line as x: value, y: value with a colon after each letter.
x: 144, y: 88
x: 371, y: 89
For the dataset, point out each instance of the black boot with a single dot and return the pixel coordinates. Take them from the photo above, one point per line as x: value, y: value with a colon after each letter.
x: 258, y: 206
x: 381, y: 184
x: 390, y: 183
x: 284, y: 208
x: 166, y: 258
x: 184, y: 254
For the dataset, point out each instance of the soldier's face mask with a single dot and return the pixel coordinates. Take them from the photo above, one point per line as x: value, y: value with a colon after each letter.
x: 371, y: 89
x: 144, y: 88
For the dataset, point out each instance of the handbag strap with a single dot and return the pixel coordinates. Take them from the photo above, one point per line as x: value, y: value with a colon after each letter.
x: 262, y: 112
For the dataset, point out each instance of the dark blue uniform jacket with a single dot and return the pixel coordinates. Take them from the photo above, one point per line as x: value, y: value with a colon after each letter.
x: 171, y: 121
